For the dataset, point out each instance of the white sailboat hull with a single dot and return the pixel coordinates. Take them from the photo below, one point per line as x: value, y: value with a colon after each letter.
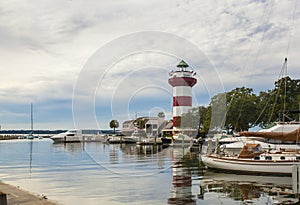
x: 250, y: 165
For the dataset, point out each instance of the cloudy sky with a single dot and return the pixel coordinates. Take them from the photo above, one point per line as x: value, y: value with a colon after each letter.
x: 83, y: 63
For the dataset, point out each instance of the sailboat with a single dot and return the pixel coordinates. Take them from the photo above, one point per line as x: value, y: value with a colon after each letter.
x: 30, y: 136
x: 252, y: 158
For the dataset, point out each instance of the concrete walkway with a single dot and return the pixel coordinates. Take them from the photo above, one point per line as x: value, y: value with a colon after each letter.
x: 16, y: 196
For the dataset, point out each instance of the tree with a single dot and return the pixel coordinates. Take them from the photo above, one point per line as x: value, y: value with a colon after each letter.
x: 140, y: 122
x: 207, y: 120
x: 275, y: 103
x: 217, y: 112
x: 161, y: 115
x: 194, y: 118
x: 114, y: 124
x: 241, y: 109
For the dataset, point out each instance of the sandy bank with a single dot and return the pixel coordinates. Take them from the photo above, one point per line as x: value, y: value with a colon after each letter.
x: 21, y: 197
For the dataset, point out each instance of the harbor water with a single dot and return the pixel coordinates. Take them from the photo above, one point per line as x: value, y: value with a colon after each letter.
x: 98, y: 173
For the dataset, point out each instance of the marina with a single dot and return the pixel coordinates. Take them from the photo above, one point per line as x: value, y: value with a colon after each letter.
x: 135, y: 102
x: 102, y: 173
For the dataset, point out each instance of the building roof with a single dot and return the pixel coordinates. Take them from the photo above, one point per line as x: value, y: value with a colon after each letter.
x: 152, y: 121
x: 169, y: 125
x: 128, y: 121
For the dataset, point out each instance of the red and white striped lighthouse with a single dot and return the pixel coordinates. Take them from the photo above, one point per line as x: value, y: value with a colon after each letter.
x: 182, y: 82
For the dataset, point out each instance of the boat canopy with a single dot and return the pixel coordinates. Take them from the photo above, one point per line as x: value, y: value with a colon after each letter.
x: 250, y: 151
x: 284, y: 136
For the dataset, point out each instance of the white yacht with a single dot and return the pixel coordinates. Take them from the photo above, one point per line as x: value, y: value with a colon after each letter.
x: 137, y: 136
x: 73, y: 135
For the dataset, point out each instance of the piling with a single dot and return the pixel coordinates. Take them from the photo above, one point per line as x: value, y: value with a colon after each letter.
x: 3, y: 198
x: 296, y: 179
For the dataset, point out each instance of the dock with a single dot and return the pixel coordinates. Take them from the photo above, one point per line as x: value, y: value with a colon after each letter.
x: 152, y: 141
x: 10, y: 195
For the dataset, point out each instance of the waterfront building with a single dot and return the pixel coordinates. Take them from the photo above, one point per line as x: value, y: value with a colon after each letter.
x: 152, y: 126
x: 128, y: 127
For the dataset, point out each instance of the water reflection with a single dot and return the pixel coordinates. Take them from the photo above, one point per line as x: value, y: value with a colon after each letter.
x: 249, y: 188
x: 99, y: 173
x: 71, y: 148
x: 144, y: 150
x: 30, y: 157
x: 185, y: 166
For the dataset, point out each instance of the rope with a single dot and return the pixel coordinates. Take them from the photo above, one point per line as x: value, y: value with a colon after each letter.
x: 277, y: 94
x: 291, y: 27
x: 263, y: 36
x: 263, y: 20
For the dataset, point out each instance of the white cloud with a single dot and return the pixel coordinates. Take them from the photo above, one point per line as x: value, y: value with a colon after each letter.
x: 45, y: 44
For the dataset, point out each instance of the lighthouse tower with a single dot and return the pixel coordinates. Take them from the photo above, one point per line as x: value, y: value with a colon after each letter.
x: 182, y: 82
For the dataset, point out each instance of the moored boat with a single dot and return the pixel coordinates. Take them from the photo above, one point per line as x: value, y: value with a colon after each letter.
x: 237, y: 141
x: 115, y: 139
x: 253, y: 159
x: 137, y: 136
x: 73, y: 135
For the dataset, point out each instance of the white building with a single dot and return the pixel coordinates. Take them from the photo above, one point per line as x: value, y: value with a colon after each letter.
x: 152, y: 126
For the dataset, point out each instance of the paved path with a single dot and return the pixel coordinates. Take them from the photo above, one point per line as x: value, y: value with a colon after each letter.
x: 16, y: 196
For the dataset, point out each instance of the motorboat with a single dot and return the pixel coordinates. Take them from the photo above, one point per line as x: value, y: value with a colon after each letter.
x: 182, y: 140
x: 253, y: 159
x: 136, y: 136
x: 179, y: 140
x: 30, y: 136
x: 283, y: 127
x: 115, y: 139
x: 73, y: 135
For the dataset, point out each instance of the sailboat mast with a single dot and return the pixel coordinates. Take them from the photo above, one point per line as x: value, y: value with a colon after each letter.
x: 31, y: 107
x: 285, y: 79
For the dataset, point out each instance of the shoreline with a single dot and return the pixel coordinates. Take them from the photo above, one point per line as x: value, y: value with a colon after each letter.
x: 15, y: 137
x: 16, y: 195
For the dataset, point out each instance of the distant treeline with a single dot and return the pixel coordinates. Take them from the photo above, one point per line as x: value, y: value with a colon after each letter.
x: 19, y: 132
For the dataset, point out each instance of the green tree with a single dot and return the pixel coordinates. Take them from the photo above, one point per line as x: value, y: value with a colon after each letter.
x: 140, y: 123
x: 218, y: 110
x: 194, y: 118
x: 114, y: 124
x: 275, y: 103
x: 242, y: 106
x: 207, y: 120
x: 161, y: 114
x: 241, y: 109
